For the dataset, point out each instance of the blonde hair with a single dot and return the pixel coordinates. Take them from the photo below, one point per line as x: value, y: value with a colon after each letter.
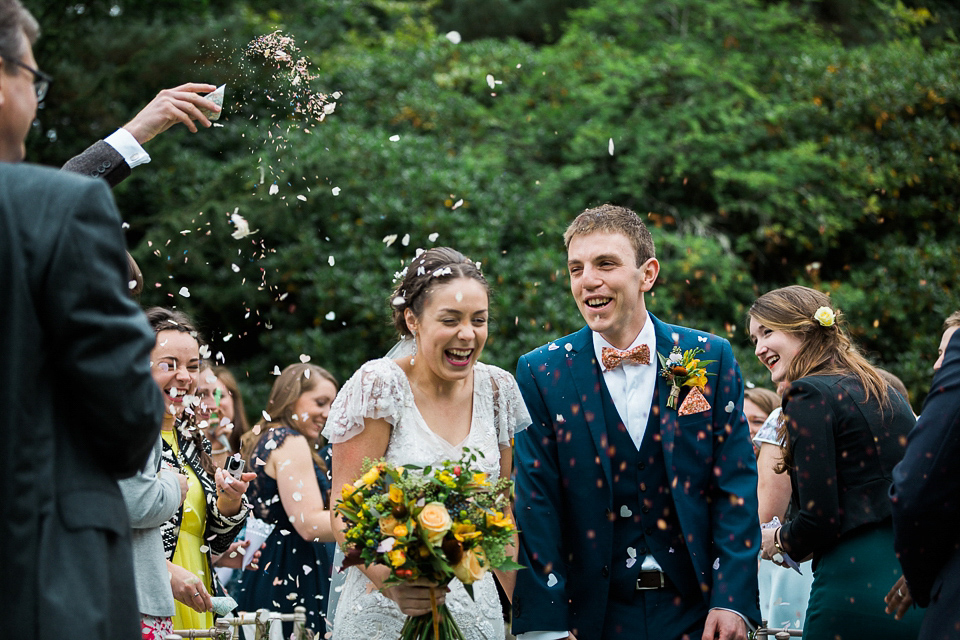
x: 953, y: 320
x: 293, y: 382
x: 765, y: 399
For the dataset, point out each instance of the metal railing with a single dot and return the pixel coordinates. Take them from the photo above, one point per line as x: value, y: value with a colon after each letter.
x: 262, y: 621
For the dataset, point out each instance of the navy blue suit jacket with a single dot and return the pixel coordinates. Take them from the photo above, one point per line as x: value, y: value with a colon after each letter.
x: 926, y: 498
x: 564, y: 494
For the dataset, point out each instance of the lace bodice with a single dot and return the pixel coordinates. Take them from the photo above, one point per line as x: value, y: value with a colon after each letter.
x: 381, y: 390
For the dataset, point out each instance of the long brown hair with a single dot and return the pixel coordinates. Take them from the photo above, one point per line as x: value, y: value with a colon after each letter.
x: 163, y: 319
x: 293, y: 382
x: 824, y: 350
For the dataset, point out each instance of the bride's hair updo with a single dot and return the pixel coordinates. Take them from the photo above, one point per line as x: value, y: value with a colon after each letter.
x: 424, y: 273
x: 825, y: 346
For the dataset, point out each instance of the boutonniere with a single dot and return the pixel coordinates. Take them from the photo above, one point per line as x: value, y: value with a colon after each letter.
x: 684, y: 369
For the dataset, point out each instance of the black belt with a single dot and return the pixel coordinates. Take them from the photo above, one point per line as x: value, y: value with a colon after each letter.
x: 653, y: 579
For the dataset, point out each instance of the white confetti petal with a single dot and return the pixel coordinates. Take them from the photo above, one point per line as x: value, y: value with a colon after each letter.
x: 331, y: 316
x: 302, y: 197
x: 729, y: 408
x: 553, y: 346
x: 631, y: 552
x: 405, y: 241
x: 631, y: 562
x: 560, y: 419
x: 454, y: 37
x: 235, y: 268
x: 716, y: 564
x: 568, y: 347
x: 625, y: 511
x: 552, y: 580
x: 307, y: 569
x: 335, y: 191
x: 491, y: 82
x: 331, y: 261
x: 227, y: 337
x: 389, y: 240
x: 457, y: 204
x: 610, y: 146
x: 702, y: 338
x: 266, y: 416
x: 276, y: 370
x: 394, y: 138
x: 184, y: 292
x: 433, y: 237
x: 297, y: 496
x: 304, y: 358
x: 132, y: 285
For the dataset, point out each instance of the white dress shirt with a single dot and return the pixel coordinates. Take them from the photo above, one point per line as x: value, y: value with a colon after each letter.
x: 127, y: 146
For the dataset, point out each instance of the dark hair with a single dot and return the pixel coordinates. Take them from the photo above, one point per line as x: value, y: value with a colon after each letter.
x: 240, y: 423
x: 134, y: 276
x: 163, y: 319
x: 609, y: 218
x: 294, y: 381
x: 14, y: 21
x: 423, y: 274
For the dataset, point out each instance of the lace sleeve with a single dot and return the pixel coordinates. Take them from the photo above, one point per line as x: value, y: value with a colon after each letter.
x: 375, y: 391
x: 510, y: 414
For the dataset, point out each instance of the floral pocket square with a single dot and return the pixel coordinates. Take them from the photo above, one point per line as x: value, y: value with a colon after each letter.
x: 693, y: 403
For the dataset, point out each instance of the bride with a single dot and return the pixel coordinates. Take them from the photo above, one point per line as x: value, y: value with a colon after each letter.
x: 422, y: 408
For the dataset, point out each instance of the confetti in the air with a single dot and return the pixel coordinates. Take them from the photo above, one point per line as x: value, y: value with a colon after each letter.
x: 335, y: 191
x: 405, y: 241
x: 184, y: 292
x: 610, y: 146
x: 331, y: 261
x: 304, y: 358
x: 552, y: 580
x: 274, y: 189
x: 394, y: 138
x: 331, y: 316
x: 276, y: 370
x: 457, y: 204
x: 243, y: 227
x: 454, y: 37
x: 433, y: 237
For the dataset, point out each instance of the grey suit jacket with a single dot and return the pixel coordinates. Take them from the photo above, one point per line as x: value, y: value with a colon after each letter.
x: 80, y: 407
x: 152, y: 498
x: 100, y: 160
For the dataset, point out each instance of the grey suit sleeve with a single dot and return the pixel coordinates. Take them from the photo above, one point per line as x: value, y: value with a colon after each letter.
x: 100, y: 160
x: 151, y: 498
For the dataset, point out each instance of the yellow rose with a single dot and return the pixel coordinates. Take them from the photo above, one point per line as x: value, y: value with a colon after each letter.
x: 347, y: 491
x: 464, y: 532
x: 498, y: 520
x: 480, y: 479
x: 369, y: 477
x: 446, y: 479
x: 397, y: 557
x: 400, y: 531
x: 696, y: 381
x: 436, y: 521
x: 825, y: 316
x: 396, y: 494
x: 388, y: 525
x: 472, y: 566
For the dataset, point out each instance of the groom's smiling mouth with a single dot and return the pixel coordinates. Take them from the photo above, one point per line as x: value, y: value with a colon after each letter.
x: 597, y: 303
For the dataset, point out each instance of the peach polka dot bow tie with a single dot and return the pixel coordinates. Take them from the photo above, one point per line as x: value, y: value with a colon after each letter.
x: 613, y: 358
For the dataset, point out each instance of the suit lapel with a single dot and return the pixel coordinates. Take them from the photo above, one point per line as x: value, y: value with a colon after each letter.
x: 587, y: 380
x: 667, y: 337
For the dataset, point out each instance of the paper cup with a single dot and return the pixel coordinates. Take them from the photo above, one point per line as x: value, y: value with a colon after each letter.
x: 257, y: 532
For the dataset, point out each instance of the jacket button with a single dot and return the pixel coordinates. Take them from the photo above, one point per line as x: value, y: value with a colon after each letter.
x: 605, y: 571
x: 646, y: 509
x: 641, y: 466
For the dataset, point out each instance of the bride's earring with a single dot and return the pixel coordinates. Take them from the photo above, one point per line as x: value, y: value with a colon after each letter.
x: 414, y: 356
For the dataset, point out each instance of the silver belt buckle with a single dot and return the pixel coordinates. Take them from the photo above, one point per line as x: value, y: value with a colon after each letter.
x: 661, y: 586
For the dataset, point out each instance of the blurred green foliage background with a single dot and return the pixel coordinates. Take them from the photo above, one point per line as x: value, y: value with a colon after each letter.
x: 766, y: 143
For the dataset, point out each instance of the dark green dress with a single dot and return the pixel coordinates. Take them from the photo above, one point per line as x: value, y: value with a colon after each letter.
x: 844, y: 449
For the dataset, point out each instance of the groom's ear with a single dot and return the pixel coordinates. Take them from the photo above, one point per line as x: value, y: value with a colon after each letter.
x: 650, y: 270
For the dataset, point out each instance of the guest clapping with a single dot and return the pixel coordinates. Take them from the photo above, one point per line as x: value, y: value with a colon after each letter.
x: 291, y: 491
x: 215, y: 507
x: 845, y: 432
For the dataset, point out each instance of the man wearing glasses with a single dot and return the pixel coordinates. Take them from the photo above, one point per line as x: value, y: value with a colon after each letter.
x: 80, y: 406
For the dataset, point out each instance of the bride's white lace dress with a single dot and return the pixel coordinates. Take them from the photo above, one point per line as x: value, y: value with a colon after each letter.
x: 380, y: 389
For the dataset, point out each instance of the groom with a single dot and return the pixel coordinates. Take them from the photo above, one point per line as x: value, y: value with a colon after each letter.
x: 636, y: 504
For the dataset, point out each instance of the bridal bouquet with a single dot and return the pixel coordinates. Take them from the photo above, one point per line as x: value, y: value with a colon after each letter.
x: 435, y: 522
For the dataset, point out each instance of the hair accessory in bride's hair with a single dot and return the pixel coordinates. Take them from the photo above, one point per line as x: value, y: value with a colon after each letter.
x: 825, y: 316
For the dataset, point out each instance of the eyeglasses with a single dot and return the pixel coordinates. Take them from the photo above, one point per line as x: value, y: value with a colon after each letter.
x: 41, y: 81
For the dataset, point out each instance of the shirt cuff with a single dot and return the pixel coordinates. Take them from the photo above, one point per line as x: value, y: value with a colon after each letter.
x: 750, y: 626
x: 543, y: 635
x: 127, y: 146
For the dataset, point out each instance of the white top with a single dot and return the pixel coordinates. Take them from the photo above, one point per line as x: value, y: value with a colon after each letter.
x: 631, y: 385
x: 381, y: 390
x: 127, y: 146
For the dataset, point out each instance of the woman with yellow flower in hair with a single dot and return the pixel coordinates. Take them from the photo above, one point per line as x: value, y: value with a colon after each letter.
x: 423, y: 408
x: 844, y: 432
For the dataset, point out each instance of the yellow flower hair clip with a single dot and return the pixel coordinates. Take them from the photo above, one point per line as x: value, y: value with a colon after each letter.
x: 825, y: 316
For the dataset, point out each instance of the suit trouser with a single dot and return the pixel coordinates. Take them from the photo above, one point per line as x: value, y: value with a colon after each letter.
x: 654, y: 614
